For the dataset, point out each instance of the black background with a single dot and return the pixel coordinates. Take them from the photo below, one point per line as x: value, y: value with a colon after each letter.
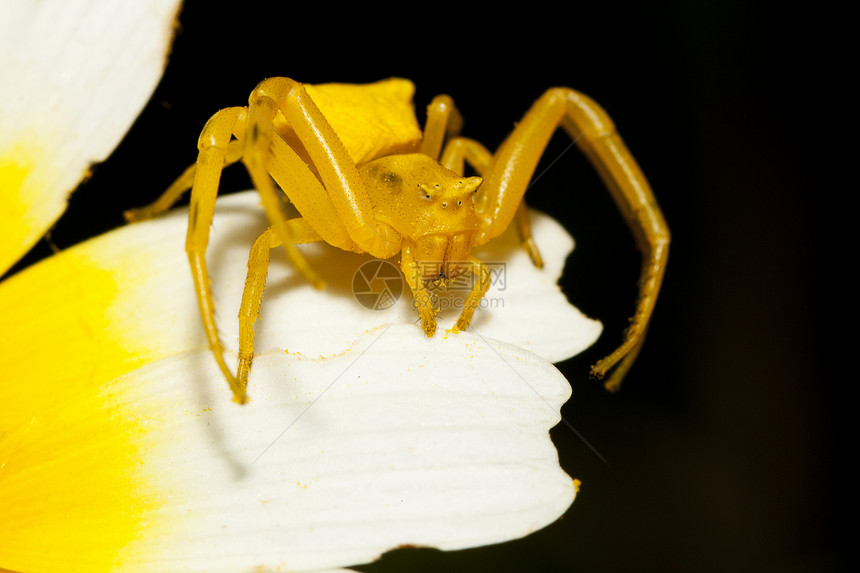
x: 724, y: 450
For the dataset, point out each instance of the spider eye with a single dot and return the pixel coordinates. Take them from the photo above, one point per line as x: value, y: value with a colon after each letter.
x: 425, y: 190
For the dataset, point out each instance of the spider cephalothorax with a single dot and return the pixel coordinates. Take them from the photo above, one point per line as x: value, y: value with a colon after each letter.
x: 430, y: 206
x: 365, y: 178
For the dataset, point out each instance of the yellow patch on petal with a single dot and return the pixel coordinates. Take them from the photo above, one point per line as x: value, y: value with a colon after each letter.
x: 71, y: 491
x: 26, y: 205
x: 66, y: 343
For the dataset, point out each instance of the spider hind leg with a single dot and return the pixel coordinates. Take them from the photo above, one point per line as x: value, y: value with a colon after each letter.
x: 510, y: 171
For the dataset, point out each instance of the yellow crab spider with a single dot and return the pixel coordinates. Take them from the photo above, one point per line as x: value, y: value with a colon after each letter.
x: 365, y: 178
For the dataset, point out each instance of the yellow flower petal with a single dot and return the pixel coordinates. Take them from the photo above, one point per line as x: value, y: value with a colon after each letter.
x: 73, y: 78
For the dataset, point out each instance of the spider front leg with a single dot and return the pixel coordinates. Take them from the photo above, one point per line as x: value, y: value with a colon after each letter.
x: 255, y: 284
x: 344, y: 197
x: 460, y: 151
x: 212, y: 151
x: 214, y: 147
x: 524, y: 227
x: 258, y: 135
x: 443, y: 120
x: 473, y: 300
x: 422, y: 299
x: 179, y: 187
x: 513, y: 164
x: 335, y: 206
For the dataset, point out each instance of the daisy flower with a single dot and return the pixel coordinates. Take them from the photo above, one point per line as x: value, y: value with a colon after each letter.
x: 120, y: 446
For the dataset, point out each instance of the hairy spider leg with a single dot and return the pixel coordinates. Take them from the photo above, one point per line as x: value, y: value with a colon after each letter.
x: 252, y: 295
x: 213, y: 146
x: 257, y: 133
x: 337, y: 172
x: 524, y: 228
x: 461, y: 150
x: 422, y: 299
x: 319, y: 222
x: 334, y: 204
x: 283, y: 164
x: 443, y: 121
x: 308, y: 195
x: 179, y: 187
x: 513, y: 164
x: 212, y: 151
x: 480, y: 288
x: 255, y: 283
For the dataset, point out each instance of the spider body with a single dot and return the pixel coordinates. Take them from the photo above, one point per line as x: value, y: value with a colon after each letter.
x: 365, y: 178
x: 429, y: 206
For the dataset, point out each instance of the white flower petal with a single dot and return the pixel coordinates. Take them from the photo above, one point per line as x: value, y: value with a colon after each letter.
x: 336, y: 461
x: 134, y: 302
x: 74, y: 76
x: 401, y: 440
x: 117, y: 433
